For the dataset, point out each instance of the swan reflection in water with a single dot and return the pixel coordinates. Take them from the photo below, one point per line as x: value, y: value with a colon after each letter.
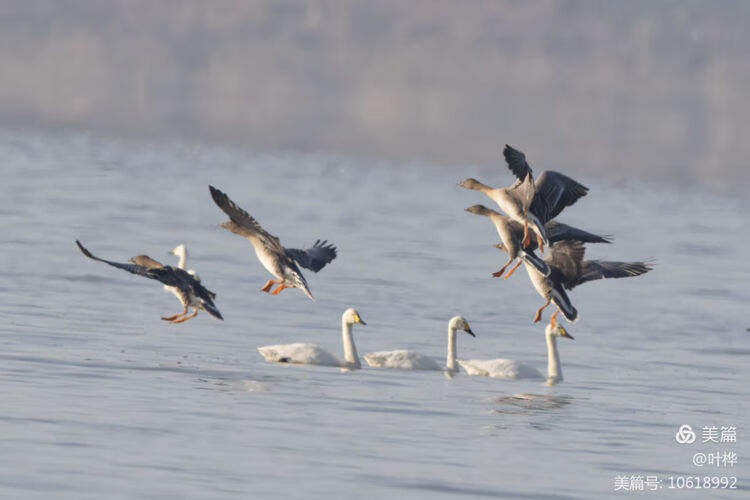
x: 517, y: 404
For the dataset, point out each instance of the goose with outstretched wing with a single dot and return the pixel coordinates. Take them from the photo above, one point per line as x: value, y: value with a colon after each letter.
x: 531, y: 202
x: 510, y: 233
x: 568, y: 270
x: 187, y: 287
x: 279, y: 261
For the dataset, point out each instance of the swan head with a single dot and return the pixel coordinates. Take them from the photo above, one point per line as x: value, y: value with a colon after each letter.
x: 351, y: 316
x: 459, y: 323
x: 479, y: 210
x: 471, y: 183
x: 557, y: 330
x: 179, y: 251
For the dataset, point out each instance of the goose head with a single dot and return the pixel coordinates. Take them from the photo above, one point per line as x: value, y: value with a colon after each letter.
x: 500, y: 246
x: 471, y: 183
x: 479, y: 210
x: 351, y: 316
x: 459, y: 323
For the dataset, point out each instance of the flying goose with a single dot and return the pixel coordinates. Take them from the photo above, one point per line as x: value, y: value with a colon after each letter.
x: 528, y: 202
x: 187, y: 288
x: 568, y: 270
x: 511, y: 232
x: 279, y: 261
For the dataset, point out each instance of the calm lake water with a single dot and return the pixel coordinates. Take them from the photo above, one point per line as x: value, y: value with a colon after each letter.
x: 99, y: 398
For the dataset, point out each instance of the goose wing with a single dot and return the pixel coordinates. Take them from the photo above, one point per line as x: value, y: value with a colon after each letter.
x: 524, y: 187
x: 159, y: 273
x: 557, y: 231
x: 517, y: 163
x: 553, y: 192
x: 244, y: 223
x: 565, y: 258
x: 599, y: 269
x: 314, y: 258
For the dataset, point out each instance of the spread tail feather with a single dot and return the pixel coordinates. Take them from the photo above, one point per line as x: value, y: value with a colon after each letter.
x: 304, y: 288
x: 212, y: 310
x: 536, y: 262
x: 301, y: 283
x: 561, y: 300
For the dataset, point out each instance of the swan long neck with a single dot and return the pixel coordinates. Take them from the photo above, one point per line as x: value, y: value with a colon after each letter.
x: 450, y: 361
x: 350, y: 351
x: 183, y: 259
x: 554, y: 371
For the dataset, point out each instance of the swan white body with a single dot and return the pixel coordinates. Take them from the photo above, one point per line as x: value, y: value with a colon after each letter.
x: 181, y: 252
x: 403, y: 358
x: 499, y: 368
x: 512, y: 369
x: 311, y: 354
x: 411, y: 360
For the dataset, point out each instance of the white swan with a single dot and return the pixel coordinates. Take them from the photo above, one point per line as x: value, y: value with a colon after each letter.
x: 553, y: 330
x: 410, y: 360
x: 311, y: 354
x: 512, y: 369
x: 181, y: 252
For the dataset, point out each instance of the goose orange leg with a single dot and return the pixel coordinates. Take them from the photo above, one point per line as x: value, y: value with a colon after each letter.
x: 266, y: 287
x: 185, y: 318
x: 175, y: 316
x: 553, y: 318
x: 512, y: 270
x: 525, y: 242
x: 540, y: 243
x: 279, y: 288
x: 499, y: 273
x: 538, y: 314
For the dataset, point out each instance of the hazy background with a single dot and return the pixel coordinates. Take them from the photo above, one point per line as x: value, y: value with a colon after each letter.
x: 619, y: 88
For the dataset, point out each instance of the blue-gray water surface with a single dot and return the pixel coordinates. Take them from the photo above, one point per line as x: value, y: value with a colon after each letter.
x: 99, y: 398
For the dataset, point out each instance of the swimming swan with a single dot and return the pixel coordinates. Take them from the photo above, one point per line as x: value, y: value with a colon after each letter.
x: 512, y: 369
x: 411, y: 360
x: 311, y: 354
x: 181, y: 252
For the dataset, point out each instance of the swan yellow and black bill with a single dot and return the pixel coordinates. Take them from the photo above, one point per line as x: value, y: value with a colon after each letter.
x: 358, y: 319
x: 468, y: 330
x: 566, y: 334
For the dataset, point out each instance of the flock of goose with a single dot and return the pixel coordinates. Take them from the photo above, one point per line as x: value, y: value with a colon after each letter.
x: 526, y: 226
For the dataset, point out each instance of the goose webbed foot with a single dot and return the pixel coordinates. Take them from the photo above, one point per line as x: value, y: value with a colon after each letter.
x: 267, y: 286
x: 500, y: 271
x: 512, y: 270
x: 185, y: 318
x: 175, y: 316
x: 279, y: 288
